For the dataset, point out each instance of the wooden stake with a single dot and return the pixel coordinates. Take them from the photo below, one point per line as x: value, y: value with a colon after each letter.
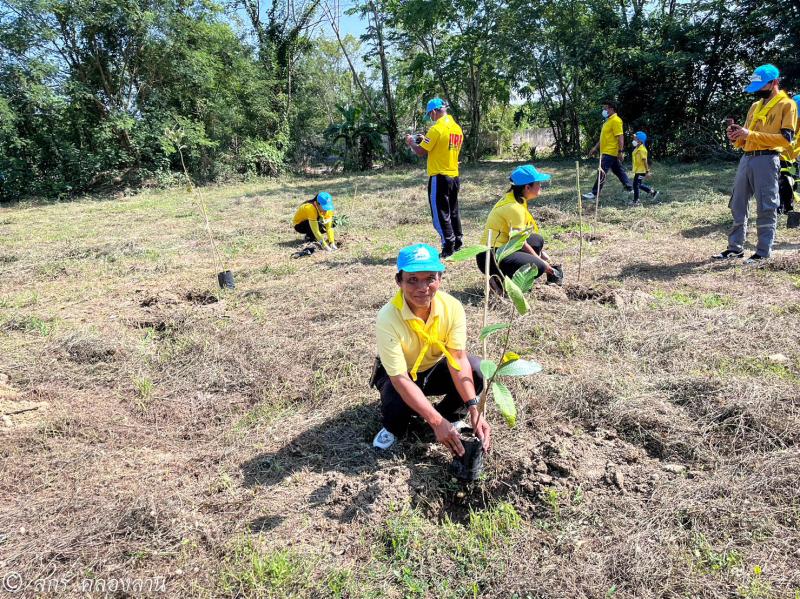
x: 580, y: 217
x: 482, y: 404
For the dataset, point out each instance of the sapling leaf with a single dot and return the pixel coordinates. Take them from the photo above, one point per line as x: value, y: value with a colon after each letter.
x: 467, y: 253
x: 488, y: 369
x: 514, y: 244
x: 509, y: 356
x: 525, y: 276
x: 519, y: 368
x: 516, y: 295
x: 505, y: 403
x: 493, y: 328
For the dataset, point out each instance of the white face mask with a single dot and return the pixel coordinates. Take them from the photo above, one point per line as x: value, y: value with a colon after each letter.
x: 605, y: 113
x: 635, y: 143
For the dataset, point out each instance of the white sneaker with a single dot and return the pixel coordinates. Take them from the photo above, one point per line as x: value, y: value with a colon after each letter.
x: 588, y: 196
x: 384, y: 439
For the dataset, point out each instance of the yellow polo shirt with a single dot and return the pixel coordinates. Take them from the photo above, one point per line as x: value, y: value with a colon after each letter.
x: 765, y: 127
x: 443, y: 142
x: 399, y: 346
x: 506, y: 218
x: 609, y: 134
x: 640, y: 160
x: 308, y: 211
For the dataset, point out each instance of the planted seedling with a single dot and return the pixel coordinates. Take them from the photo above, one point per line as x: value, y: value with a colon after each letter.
x: 508, y: 363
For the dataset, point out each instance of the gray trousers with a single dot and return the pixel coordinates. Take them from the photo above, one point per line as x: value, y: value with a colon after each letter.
x: 756, y: 176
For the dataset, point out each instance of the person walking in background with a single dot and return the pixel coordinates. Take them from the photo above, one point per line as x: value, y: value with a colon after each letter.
x: 315, y: 217
x: 787, y: 181
x: 770, y: 128
x: 641, y: 167
x: 612, y: 151
x: 442, y: 145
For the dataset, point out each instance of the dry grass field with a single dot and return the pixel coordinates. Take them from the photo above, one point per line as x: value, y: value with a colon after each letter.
x: 155, y: 426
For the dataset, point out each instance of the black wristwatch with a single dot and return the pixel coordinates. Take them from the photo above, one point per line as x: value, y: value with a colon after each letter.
x: 473, y: 402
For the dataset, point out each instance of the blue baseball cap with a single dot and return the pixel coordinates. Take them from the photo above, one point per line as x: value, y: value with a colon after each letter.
x: 523, y: 175
x: 761, y: 76
x: 419, y: 257
x: 796, y: 99
x: 325, y: 201
x: 641, y: 136
x: 434, y: 104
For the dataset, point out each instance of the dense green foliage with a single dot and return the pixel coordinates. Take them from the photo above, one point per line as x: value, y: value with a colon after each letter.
x: 91, y: 89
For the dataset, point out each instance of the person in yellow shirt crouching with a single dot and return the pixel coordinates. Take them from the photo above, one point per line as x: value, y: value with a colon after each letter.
x: 641, y: 167
x: 422, y: 337
x: 315, y: 217
x: 509, y: 216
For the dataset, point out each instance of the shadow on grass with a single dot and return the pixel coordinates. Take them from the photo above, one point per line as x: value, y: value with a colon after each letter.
x: 343, y: 444
x: 660, y: 272
x: 703, y: 230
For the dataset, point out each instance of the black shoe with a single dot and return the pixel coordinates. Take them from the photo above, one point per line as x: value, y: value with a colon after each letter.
x: 727, y: 254
x: 655, y: 195
x: 458, y: 245
x: 754, y: 259
x: 447, y: 251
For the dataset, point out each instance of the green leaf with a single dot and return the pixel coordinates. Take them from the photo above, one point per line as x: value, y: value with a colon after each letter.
x: 493, y: 328
x: 505, y: 403
x: 467, y: 253
x: 512, y: 245
x: 519, y: 368
x: 488, y: 369
x: 516, y: 295
x: 525, y: 276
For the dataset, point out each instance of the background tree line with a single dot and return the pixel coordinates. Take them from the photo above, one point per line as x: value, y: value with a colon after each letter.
x: 95, y: 93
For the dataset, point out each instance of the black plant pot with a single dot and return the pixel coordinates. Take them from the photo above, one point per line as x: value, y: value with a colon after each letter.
x: 793, y: 219
x: 469, y: 466
x: 225, y: 280
x: 557, y: 278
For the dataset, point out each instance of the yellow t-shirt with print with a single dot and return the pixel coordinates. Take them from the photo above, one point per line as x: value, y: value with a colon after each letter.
x: 308, y: 211
x: 507, y: 217
x: 399, y: 346
x: 640, y: 160
x: 765, y: 119
x: 609, y: 134
x: 443, y: 143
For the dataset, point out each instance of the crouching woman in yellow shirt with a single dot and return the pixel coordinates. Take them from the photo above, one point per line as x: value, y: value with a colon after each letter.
x: 511, y: 215
x: 315, y: 217
x: 422, y: 337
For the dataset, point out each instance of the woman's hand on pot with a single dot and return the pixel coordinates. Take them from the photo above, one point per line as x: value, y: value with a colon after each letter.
x: 447, y: 435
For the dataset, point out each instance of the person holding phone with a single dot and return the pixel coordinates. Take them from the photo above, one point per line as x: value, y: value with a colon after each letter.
x: 770, y: 128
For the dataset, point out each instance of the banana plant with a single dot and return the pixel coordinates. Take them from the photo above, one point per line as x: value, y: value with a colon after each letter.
x: 508, y: 363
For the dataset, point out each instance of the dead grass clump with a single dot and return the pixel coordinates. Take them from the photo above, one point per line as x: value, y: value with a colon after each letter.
x: 786, y: 262
x: 739, y: 415
x: 580, y: 292
x: 201, y: 297
x: 665, y: 431
x: 86, y: 348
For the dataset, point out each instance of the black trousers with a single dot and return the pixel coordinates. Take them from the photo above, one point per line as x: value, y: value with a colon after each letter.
x: 638, y: 183
x: 443, y: 201
x: 612, y: 163
x: 396, y: 414
x: 305, y: 229
x: 515, y: 261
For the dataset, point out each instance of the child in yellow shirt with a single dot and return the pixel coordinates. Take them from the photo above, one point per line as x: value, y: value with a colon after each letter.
x: 641, y: 167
